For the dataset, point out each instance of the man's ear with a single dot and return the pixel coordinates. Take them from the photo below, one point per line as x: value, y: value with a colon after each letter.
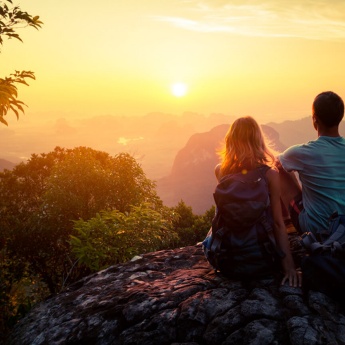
x: 315, y: 122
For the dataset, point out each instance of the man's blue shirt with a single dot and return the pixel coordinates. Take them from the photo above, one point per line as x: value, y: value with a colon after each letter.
x: 321, y: 168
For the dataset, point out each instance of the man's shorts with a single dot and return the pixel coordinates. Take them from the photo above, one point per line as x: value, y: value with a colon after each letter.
x: 295, y: 208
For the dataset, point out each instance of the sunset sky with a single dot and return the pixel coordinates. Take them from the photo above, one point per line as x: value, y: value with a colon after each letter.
x: 267, y: 58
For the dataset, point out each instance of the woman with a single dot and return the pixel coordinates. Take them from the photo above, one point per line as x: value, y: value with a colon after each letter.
x: 245, y: 150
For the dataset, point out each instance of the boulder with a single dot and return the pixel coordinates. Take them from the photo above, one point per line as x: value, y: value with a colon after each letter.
x: 174, y: 297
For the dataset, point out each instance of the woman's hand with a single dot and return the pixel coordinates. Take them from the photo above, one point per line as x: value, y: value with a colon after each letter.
x: 294, y: 277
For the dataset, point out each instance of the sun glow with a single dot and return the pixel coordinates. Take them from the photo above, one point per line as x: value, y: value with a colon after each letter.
x: 179, y: 89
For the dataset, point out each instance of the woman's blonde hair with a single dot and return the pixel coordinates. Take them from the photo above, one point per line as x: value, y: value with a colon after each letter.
x: 245, y: 147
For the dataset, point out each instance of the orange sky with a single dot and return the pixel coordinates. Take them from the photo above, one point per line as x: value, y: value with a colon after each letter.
x: 267, y: 58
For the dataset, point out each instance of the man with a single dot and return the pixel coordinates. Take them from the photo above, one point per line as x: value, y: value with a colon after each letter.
x: 321, y: 168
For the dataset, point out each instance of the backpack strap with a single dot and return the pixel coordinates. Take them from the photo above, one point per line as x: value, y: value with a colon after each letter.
x: 272, y: 245
x: 217, y: 240
x: 263, y: 169
x: 267, y: 225
x: 337, y: 236
x: 335, y: 243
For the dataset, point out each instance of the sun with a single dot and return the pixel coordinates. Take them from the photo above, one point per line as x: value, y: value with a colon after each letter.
x: 179, y: 89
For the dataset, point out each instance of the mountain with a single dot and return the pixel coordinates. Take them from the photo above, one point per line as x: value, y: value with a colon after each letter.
x: 192, y: 176
x: 4, y: 164
x: 153, y: 139
x: 298, y: 131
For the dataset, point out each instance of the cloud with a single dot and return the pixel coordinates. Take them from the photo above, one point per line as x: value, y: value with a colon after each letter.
x: 317, y: 19
x: 124, y: 141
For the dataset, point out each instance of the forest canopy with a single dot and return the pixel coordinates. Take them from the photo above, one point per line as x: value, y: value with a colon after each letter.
x: 70, y: 212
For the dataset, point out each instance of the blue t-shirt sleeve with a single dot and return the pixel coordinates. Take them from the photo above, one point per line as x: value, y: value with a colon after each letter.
x: 292, y: 158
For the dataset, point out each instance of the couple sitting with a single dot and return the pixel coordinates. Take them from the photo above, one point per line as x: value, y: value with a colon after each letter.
x: 321, y: 169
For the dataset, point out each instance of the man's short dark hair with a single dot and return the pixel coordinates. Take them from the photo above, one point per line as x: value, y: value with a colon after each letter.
x: 328, y: 108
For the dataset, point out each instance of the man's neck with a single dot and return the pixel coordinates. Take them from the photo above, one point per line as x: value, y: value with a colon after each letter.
x: 328, y: 132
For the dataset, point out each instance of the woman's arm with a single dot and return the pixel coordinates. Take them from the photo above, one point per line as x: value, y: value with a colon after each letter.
x: 291, y: 275
x: 289, y: 185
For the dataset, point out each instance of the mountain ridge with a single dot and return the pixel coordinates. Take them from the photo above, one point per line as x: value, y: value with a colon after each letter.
x: 5, y: 164
x: 192, y: 175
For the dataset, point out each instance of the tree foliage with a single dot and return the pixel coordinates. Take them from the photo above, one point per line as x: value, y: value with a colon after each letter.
x: 40, y: 199
x: 69, y: 212
x: 9, y: 93
x: 12, y: 18
x: 19, y: 290
x: 190, y: 228
x: 39, y: 202
x: 113, y: 237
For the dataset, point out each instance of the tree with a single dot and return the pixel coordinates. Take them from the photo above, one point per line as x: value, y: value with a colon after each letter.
x: 114, y: 237
x: 191, y: 228
x: 10, y: 20
x: 184, y: 223
x: 40, y: 199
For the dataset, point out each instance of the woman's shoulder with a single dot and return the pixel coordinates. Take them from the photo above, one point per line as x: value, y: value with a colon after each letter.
x: 272, y: 175
x: 217, y: 171
x: 271, y: 169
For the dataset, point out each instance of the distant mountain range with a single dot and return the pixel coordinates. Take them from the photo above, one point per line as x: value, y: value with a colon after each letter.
x: 192, y: 176
x: 178, y: 152
x: 5, y: 164
x: 153, y: 140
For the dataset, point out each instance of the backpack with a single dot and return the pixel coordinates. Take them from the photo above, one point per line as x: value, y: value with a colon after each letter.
x: 331, y: 241
x: 241, y: 241
x: 323, y: 266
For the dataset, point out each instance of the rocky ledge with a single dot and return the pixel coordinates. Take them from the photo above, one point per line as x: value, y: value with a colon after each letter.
x: 174, y: 297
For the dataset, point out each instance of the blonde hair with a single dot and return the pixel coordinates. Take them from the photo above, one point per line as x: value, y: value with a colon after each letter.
x: 245, y: 147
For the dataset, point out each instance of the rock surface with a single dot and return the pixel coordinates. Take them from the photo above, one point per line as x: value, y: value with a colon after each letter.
x: 174, y: 297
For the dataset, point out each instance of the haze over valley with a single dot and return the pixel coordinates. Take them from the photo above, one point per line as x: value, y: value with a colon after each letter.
x: 153, y: 139
x: 178, y: 152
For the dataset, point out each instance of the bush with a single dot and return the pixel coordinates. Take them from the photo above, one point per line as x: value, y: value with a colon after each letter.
x: 191, y: 228
x: 114, y: 237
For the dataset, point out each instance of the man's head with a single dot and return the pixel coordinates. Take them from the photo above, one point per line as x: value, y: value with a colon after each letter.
x: 328, y: 108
